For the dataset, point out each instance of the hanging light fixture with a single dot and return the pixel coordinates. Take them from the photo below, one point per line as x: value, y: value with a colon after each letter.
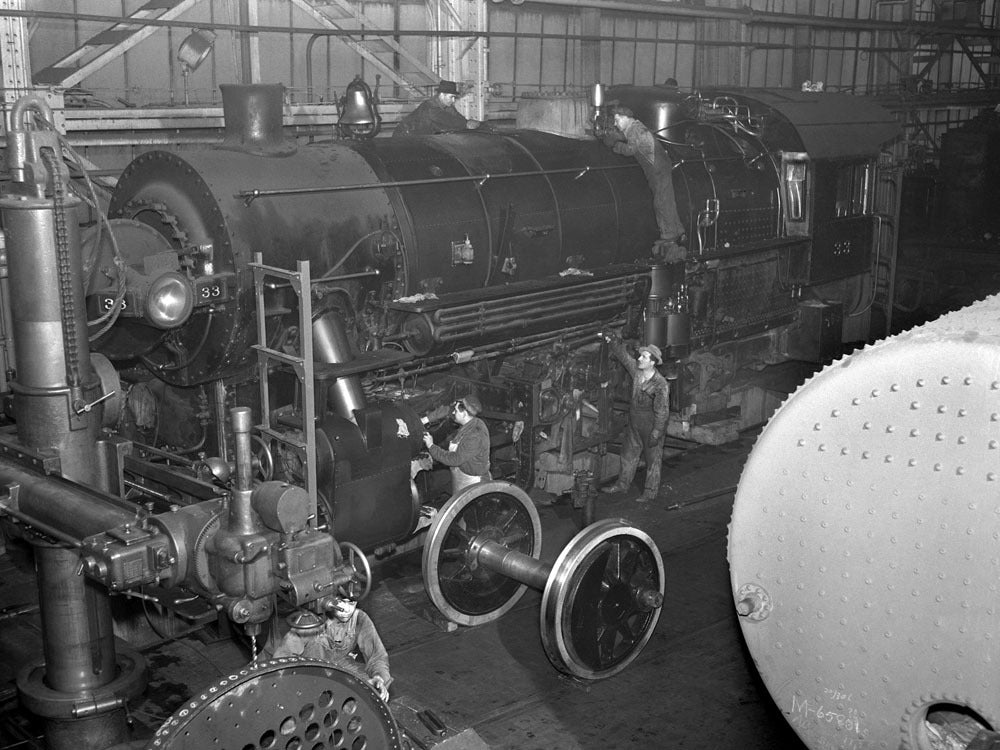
x: 192, y: 53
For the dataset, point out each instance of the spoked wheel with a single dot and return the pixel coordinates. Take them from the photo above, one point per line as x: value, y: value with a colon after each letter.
x: 282, y: 704
x: 463, y: 589
x: 602, y: 597
x: 356, y: 560
x: 602, y: 600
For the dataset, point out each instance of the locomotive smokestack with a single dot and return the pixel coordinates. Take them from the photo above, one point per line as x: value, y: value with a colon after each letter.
x: 253, y: 115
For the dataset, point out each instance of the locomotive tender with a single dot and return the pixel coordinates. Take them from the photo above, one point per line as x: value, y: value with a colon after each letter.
x: 218, y: 387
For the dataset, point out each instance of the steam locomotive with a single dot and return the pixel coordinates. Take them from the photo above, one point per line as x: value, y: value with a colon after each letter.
x: 452, y: 253
x: 221, y: 385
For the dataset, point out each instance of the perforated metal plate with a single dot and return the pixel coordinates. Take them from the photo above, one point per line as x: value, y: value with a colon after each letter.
x: 285, y: 704
x: 865, y: 540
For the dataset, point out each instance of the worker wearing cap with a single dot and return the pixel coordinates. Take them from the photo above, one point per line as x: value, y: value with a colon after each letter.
x: 639, y: 143
x: 649, y: 408
x: 468, y: 452
x: 345, y: 631
x: 437, y: 114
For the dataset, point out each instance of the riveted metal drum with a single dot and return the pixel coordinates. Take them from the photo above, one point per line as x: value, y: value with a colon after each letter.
x: 865, y: 540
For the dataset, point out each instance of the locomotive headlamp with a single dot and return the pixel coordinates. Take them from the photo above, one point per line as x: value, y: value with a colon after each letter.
x: 169, y: 301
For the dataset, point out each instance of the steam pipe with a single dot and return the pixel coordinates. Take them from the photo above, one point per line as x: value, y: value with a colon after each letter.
x: 240, y: 510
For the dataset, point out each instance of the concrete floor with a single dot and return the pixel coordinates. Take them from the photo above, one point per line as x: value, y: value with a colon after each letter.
x: 693, y: 686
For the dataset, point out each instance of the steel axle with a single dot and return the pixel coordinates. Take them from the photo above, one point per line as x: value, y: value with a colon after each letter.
x: 601, y: 597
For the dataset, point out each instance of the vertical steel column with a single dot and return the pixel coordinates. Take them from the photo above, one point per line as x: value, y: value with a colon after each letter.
x: 81, y: 688
x: 50, y: 335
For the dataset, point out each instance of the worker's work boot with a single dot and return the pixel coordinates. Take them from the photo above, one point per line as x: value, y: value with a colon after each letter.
x: 615, y: 488
x: 647, y: 496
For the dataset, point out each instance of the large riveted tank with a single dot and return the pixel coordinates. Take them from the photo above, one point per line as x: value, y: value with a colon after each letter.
x: 400, y: 212
x: 864, y: 541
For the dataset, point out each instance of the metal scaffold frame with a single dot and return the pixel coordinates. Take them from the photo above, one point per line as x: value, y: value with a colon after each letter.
x: 301, y: 364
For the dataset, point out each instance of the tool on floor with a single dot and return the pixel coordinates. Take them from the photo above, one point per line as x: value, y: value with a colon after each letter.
x: 430, y: 720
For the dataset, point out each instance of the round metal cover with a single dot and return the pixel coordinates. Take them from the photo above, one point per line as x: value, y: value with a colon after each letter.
x: 283, y: 704
x: 864, y: 547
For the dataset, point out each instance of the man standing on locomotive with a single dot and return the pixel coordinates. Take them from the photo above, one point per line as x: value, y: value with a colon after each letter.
x: 437, y: 114
x: 649, y: 408
x: 641, y: 144
x: 468, y: 452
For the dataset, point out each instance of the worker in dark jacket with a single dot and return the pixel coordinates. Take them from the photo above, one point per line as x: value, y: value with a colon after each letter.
x: 649, y: 408
x: 468, y: 452
x: 437, y: 114
x: 639, y: 143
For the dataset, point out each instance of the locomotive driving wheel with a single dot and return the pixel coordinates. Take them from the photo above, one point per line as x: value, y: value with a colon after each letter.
x: 464, y: 591
x: 602, y: 596
x: 602, y: 600
x: 281, y: 704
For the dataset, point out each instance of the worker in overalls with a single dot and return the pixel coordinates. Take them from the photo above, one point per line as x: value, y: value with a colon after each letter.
x: 632, y: 138
x: 468, y: 452
x: 344, y: 632
x: 648, y: 411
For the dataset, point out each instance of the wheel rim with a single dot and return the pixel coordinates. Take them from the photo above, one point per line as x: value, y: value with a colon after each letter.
x: 593, y: 625
x: 463, y: 591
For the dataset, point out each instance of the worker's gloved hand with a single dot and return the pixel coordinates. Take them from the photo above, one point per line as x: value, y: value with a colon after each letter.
x: 428, y: 439
x: 379, y: 685
x: 655, y: 436
x: 437, y: 414
x: 611, y: 336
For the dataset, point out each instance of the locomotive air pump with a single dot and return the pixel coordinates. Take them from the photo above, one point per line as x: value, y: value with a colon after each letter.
x: 602, y: 596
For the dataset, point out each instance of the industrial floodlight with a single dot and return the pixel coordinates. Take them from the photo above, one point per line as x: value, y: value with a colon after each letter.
x: 194, y: 49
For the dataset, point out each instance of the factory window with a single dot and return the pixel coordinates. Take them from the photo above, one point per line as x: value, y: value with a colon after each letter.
x: 854, y: 189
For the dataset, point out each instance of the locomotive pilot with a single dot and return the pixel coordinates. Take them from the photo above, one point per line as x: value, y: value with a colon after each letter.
x: 639, y: 143
x: 345, y: 631
x: 468, y: 452
x: 437, y: 114
x: 649, y: 408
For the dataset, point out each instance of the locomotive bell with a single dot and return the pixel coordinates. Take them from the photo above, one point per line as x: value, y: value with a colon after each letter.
x: 358, y: 117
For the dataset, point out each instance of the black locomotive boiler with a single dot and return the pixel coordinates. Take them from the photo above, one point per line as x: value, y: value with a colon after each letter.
x: 486, y: 258
x: 219, y: 389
